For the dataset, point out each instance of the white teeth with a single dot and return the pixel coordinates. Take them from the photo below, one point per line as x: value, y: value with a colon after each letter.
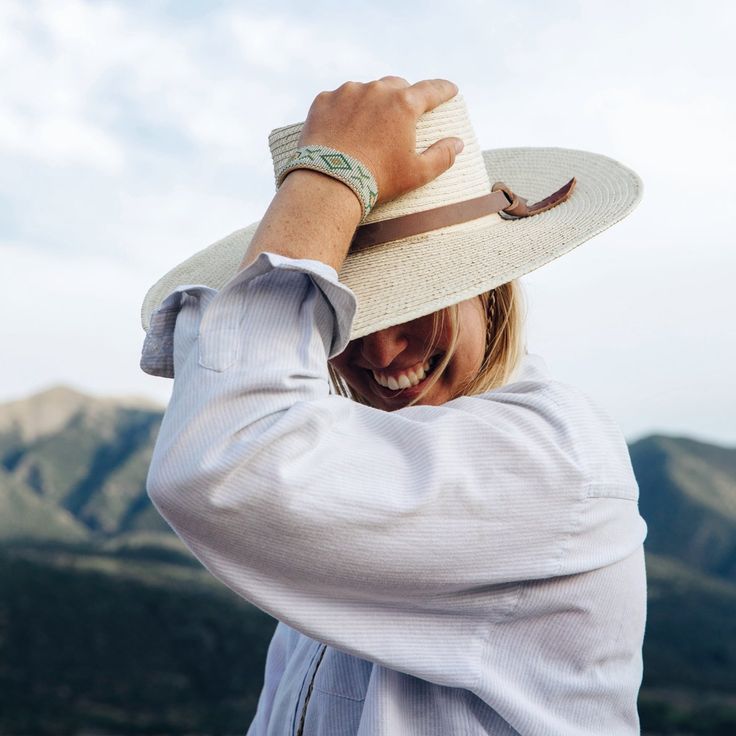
x: 403, y: 380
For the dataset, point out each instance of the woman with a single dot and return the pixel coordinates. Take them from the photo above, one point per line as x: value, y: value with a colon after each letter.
x: 459, y: 553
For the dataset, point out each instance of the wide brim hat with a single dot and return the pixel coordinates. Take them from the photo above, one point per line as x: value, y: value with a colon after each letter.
x: 400, y: 280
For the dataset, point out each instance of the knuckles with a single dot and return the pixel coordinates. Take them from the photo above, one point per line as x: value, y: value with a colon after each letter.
x: 390, y: 78
x: 389, y: 103
x: 402, y: 100
x: 406, y: 101
x: 321, y: 100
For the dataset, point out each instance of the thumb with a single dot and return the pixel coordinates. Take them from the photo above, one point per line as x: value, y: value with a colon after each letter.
x: 439, y: 157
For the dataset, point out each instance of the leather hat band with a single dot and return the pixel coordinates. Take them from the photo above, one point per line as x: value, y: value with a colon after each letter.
x: 500, y: 200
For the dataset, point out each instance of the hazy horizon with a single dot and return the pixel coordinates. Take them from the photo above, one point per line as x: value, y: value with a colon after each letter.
x: 132, y: 136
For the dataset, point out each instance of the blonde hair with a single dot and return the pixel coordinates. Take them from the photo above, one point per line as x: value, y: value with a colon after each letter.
x: 504, y: 308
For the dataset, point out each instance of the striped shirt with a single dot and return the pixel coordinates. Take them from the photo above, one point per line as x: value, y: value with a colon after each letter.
x: 470, y: 568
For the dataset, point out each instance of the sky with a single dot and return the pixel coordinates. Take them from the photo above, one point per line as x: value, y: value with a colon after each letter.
x: 133, y: 134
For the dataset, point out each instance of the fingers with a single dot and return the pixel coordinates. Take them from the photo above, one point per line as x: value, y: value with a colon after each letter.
x: 395, y: 81
x: 429, y: 93
x: 421, y: 96
x: 389, y: 81
x: 376, y: 122
x: 439, y: 157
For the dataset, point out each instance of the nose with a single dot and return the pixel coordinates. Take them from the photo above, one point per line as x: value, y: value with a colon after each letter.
x: 378, y: 350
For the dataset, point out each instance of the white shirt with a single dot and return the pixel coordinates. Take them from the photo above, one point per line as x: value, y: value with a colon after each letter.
x: 470, y: 568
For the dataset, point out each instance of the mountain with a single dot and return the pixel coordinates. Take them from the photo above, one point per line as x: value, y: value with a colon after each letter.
x: 48, y: 411
x: 108, y: 624
x: 688, y: 497
x: 24, y: 514
x: 76, y: 458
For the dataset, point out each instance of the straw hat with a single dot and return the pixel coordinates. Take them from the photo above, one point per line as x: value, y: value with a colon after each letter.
x: 402, y: 279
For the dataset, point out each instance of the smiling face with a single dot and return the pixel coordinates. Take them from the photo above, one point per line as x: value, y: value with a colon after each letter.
x: 381, y: 367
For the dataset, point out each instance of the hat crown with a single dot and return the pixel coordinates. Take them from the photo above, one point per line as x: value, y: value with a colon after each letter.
x: 466, y: 179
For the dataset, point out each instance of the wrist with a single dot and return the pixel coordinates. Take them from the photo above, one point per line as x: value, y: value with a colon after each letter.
x: 338, y: 165
x: 324, y: 191
x: 312, y: 216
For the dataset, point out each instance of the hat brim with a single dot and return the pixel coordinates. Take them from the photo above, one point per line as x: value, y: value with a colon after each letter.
x: 402, y: 280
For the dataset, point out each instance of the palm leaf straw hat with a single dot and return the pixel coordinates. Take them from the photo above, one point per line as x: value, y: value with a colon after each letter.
x: 464, y: 233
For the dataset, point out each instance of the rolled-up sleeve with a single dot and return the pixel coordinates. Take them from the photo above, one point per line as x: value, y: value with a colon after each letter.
x: 333, y: 316
x: 385, y: 534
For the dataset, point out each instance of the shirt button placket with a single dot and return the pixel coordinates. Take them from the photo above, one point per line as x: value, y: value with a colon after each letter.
x: 300, y: 728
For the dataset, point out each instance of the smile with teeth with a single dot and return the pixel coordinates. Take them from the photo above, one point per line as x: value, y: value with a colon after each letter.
x: 406, y: 378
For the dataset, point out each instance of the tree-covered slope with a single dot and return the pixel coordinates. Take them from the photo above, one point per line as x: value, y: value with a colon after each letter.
x: 109, y: 625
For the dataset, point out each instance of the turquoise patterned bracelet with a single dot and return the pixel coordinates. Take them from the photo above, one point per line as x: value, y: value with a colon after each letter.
x: 338, y: 165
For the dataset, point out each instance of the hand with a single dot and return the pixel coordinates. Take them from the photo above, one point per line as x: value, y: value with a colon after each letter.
x: 376, y: 123
x: 314, y: 216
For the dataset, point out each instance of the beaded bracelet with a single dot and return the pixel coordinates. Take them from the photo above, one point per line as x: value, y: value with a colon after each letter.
x: 338, y: 165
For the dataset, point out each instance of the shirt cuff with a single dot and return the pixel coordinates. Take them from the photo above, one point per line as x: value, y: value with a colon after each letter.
x: 157, y: 355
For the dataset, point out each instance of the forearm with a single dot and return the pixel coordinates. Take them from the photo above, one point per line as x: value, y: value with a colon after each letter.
x: 311, y: 216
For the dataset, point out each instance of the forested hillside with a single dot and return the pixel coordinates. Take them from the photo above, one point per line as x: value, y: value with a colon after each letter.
x: 109, y: 625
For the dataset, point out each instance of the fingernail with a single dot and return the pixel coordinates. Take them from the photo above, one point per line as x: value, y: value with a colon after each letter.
x: 459, y: 145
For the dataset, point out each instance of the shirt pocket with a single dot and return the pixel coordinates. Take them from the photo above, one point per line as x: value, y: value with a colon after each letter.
x: 343, y: 675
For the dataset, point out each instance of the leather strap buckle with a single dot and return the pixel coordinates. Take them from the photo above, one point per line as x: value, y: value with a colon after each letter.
x: 518, y: 206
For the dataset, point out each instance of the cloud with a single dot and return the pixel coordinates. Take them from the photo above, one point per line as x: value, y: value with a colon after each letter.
x: 128, y: 126
x: 134, y: 134
x: 56, y: 54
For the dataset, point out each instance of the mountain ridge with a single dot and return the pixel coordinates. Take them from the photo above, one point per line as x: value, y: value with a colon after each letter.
x: 43, y: 412
x: 77, y: 527
x: 89, y: 455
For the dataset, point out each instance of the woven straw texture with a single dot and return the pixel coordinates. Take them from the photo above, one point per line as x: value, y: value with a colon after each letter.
x: 400, y: 281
